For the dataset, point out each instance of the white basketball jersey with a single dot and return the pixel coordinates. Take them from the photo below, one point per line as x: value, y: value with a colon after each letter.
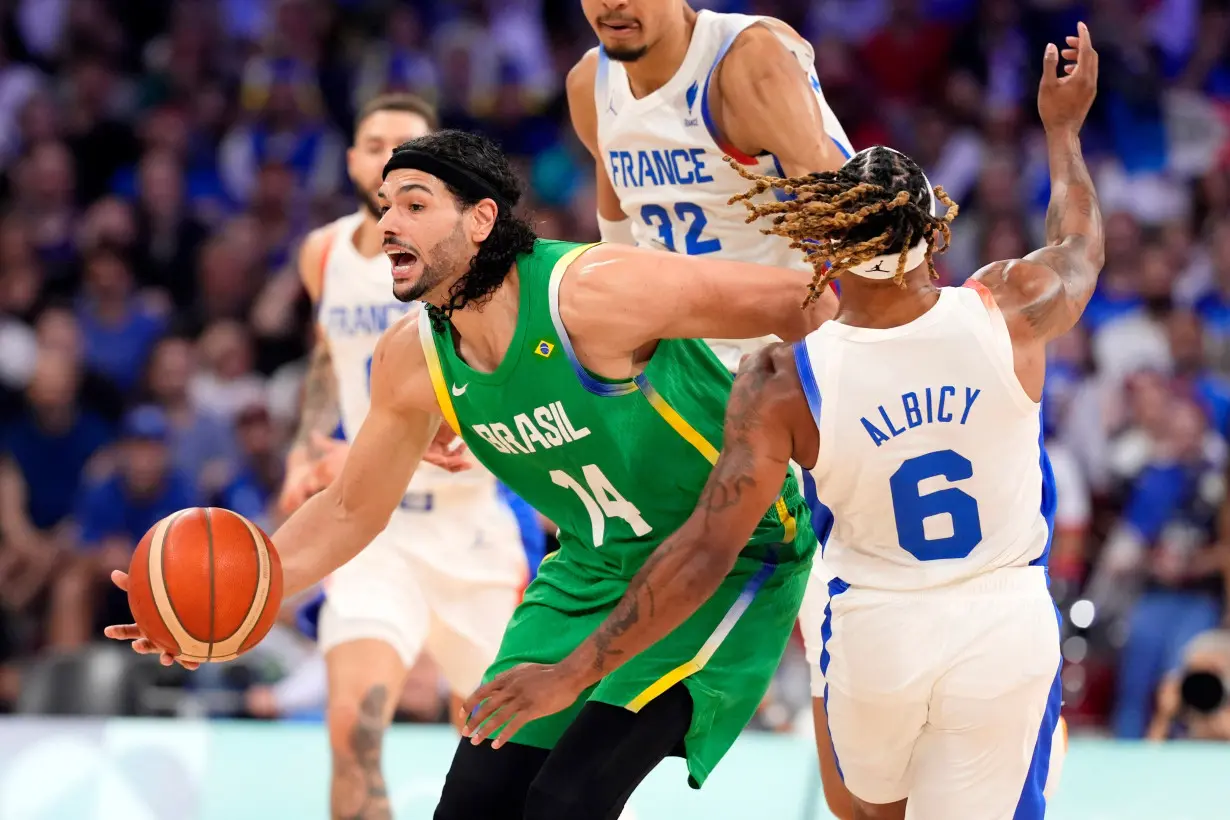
x: 663, y: 153
x: 931, y: 468
x: 356, y: 306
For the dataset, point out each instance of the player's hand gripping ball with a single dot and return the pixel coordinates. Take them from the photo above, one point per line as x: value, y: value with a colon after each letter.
x: 204, y: 586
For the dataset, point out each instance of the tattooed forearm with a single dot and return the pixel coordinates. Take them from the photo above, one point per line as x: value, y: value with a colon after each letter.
x: 320, y: 412
x: 1073, y: 212
x: 690, y: 565
x: 359, y: 791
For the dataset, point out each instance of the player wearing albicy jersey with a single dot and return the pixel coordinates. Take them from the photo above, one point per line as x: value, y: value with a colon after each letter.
x: 916, y: 415
x: 665, y: 96
x: 608, y: 422
x: 446, y: 573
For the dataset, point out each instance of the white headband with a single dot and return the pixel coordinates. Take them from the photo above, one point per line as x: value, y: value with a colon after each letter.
x: 885, y: 266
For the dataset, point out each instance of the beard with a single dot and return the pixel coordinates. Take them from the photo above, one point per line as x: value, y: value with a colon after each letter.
x: 439, y: 264
x: 627, y: 55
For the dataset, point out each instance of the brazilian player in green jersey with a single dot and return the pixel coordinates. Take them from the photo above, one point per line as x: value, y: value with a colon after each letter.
x: 575, y: 374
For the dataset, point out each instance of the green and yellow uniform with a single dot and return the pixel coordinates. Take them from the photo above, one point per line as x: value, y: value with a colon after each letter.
x: 619, y: 466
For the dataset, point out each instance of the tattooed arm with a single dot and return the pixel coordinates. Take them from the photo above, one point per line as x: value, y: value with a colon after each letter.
x: 767, y: 423
x: 1044, y: 294
x: 319, y: 413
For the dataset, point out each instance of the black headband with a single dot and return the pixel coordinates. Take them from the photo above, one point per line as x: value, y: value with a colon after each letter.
x: 470, y: 184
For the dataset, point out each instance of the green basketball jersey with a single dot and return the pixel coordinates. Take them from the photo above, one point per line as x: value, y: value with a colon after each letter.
x: 617, y: 465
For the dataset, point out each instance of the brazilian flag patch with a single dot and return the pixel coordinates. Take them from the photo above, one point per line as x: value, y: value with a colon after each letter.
x: 544, y: 348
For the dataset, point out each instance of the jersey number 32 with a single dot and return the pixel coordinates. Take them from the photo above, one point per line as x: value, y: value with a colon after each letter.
x: 912, y: 507
x: 690, y: 214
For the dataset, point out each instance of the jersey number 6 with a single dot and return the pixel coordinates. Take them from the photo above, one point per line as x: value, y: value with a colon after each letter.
x: 688, y: 212
x: 911, y: 508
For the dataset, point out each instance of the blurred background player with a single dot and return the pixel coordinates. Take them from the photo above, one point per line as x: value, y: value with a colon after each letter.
x: 447, y: 572
x: 667, y: 93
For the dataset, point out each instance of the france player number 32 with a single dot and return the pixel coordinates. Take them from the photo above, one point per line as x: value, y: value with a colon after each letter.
x: 912, y: 507
x: 690, y: 214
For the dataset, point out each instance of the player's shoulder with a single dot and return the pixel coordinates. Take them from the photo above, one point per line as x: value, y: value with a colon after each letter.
x: 1017, y: 283
x: 768, y: 38
x: 768, y: 395
x: 580, y: 80
x: 313, y: 257
x: 399, y: 361
x: 770, y: 370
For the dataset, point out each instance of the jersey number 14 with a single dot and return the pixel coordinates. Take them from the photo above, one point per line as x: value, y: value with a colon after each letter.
x: 602, y: 501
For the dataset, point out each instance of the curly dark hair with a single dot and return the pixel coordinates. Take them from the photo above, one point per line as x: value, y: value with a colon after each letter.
x: 876, y: 204
x: 510, y: 236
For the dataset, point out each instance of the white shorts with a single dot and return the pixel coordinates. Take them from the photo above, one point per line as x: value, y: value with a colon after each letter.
x: 949, y: 697
x: 811, y: 622
x: 444, y: 581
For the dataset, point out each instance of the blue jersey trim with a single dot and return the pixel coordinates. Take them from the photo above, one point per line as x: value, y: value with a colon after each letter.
x: 807, y: 378
x: 1049, y: 502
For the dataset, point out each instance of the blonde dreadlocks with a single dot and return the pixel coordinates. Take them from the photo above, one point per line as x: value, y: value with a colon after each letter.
x: 840, y: 219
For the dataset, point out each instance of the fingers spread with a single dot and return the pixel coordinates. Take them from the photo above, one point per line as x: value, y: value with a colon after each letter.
x: 120, y: 579
x: 123, y: 632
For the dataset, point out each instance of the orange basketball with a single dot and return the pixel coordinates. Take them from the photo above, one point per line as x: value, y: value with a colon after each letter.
x: 205, y: 584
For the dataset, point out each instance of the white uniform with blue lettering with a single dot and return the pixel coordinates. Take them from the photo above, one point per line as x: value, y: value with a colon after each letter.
x: 663, y: 154
x: 447, y: 572
x: 941, y: 641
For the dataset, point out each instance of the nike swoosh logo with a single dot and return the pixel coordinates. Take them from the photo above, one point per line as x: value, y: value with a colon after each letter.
x: 457, y: 391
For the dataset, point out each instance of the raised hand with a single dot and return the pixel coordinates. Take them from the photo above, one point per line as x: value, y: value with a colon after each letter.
x: 1064, y: 102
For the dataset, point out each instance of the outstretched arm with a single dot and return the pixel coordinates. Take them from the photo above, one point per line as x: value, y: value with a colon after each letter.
x: 620, y: 299
x: 1044, y: 294
x: 336, y: 524
x: 767, y: 423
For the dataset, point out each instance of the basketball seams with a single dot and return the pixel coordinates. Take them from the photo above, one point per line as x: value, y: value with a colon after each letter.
x: 188, y: 644
x: 153, y: 598
x: 209, y: 541
x: 232, y: 645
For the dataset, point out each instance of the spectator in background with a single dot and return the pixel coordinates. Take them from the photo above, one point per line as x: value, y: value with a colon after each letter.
x: 57, y: 330
x: 398, y: 61
x: 1192, y: 375
x: 19, y: 83
x: 169, y: 236
x: 1193, y: 701
x: 224, y: 282
x: 227, y: 383
x: 1213, y: 306
x: 255, y: 487
x: 44, y: 185
x: 1136, y: 339
x: 202, y: 443
x: 113, y: 514
x: 286, y: 129
x: 1167, y: 541
x: 119, y: 326
x: 99, y: 141
x: 1116, y: 293
x: 45, y: 452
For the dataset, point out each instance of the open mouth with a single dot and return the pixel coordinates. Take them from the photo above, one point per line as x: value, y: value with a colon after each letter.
x: 403, y: 262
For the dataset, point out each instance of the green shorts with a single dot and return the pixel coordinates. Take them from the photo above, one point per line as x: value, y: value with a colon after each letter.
x: 726, y: 653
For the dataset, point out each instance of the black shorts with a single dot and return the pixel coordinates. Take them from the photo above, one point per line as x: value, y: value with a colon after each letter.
x: 589, y: 775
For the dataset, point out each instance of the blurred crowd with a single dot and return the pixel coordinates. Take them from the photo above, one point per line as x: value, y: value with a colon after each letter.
x: 160, y: 162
